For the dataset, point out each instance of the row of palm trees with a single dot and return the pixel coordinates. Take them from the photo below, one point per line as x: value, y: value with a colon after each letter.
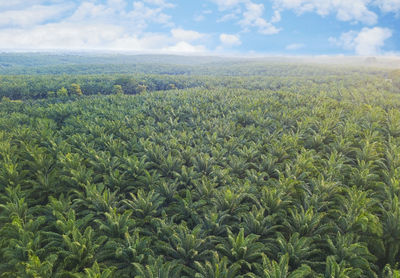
x: 202, y: 183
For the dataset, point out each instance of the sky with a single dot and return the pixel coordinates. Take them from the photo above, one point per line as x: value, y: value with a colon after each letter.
x: 222, y: 27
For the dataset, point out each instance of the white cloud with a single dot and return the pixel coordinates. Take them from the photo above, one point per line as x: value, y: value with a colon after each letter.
x: 388, y: 5
x: 117, y: 4
x: 32, y: 15
x: 161, y: 3
x: 228, y: 17
x: 199, y: 18
x: 88, y: 11
x: 369, y: 41
x: 185, y: 47
x: 202, y: 15
x: 77, y: 37
x: 148, y: 42
x: 64, y: 36
x: 345, y: 41
x: 5, y: 4
x: 124, y: 25
x: 228, y: 4
x: 252, y: 17
x: 229, y: 40
x: 294, y: 46
x: 135, y: 19
x: 345, y: 10
x: 92, y: 24
x: 142, y: 14
x: 183, y: 41
x: 186, y: 35
x: 250, y: 14
x: 276, y: 17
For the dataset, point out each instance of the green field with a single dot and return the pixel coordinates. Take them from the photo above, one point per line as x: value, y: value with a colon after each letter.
x: 280, y: 170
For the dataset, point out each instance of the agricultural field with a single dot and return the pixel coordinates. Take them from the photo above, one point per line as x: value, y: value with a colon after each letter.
x: 218, y: 169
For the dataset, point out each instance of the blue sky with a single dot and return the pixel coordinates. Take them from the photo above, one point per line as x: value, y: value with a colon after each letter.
x: 243, y: 27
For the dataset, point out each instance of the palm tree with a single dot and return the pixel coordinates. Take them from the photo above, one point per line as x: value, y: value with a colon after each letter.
x: 204, y: 189
x: 259, y: 223
x: 187, y: 246
x: 116, y: 225
x: 157, y: 268
x: 170, y: 165
x: 14, y: 204
x: 390, y: 220
x: 11, y: 172
x: 186, y: 176
x: 273, y: 269
x: 217, y: 268
x: 19, y: 245
x: 275, y: 201
x: 256, y: 178
x: 215, y: 223
x: 187, y: 209
x: 34, y: 267
x: 242, y: 250
x: 307, y: 223
x: 238, y: 165
x: 268, y: 164
x: 95, y: 199
x: 336, y: 166
x: 79, y: 249
x: 342, y: 270
x: 357, y: 213
x: 144, y: 205
x: 124, y: 253
x: 231, y: 202
x: 354, y: 254
x: 388, y: 272
x: 301, y: 250
x: 95, y: 272
x: 166, y: 191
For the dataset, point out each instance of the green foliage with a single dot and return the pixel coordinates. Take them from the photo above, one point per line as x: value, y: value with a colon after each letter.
x: 141, y: 88
x: 242, y: 250
x: 5, y: 99
x: 158, y: 269
x: 217, y: 268
x: 75, y: 90
x: 62, y: 92
x: 292, y: 173
x: 117, y: 90
x: 96, y: 272
x: 273, y: 269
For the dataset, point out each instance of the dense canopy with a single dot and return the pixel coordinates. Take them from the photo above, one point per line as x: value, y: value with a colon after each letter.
x: 292, y: 176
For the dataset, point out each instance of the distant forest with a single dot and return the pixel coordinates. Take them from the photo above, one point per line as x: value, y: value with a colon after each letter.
x: 34, y: 76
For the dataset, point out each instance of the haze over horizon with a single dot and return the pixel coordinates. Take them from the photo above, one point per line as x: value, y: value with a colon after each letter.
x: 216, y: 27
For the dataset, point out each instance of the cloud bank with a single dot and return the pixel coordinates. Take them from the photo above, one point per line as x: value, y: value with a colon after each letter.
x: 92, y: 25
x: 368, y: 41
x: 151, y: 25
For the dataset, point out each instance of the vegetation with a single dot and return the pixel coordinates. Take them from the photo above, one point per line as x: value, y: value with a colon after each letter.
x: 292, y: 176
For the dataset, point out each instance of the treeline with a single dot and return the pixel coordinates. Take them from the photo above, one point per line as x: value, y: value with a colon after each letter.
x: 38, y: 76
x: 22, y: 87
x: 60, y: 64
